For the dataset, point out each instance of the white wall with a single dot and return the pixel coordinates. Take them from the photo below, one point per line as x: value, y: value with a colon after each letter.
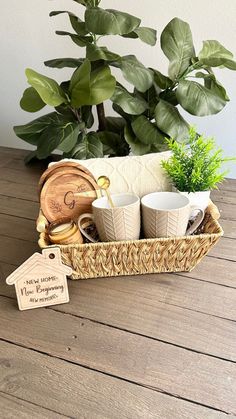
x: 28, y: 38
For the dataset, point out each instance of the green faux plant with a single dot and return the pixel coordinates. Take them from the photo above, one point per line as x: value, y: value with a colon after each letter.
x: 195, y: 164
x: 146, y: 113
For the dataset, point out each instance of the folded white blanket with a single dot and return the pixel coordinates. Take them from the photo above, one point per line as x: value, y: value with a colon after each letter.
x: 138, y: 174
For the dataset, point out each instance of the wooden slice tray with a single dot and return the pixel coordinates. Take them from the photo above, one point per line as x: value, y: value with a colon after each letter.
x: 68, y: 192
x: 59, y: 166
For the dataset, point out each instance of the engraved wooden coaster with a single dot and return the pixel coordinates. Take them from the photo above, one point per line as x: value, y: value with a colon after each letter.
x: 41, y: 280
x: 58, y: 166
x: 68, y: 192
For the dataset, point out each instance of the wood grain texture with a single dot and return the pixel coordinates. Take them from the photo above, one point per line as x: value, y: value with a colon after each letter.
x: 18, y: 190
x: 78, y: 392
x: 18, y: 228
x: 171, y: 289
x: 224, y: 196
x: 19, y: 207
x: 159, y: 321
x: 11, y: 407
x: 58, y: 195
x: 160, y: 331
x: 228, y: 185
x: 13, y: 152
x: 4, y: 159
x: 5, y: 270
x: 38, y: 166
x: 27, y: 177
x: 229, y: 228
x: 42, y: 335
x: 218, y: 271
x: 16, y: 251
x: 227, y: 211
x: 208, y: 298
x: 224, y: 249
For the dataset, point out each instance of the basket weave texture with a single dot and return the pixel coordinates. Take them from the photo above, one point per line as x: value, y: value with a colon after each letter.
x: 175, y: 254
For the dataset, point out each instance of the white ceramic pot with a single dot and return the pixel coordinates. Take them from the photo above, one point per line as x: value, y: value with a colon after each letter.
x: 198, y: 199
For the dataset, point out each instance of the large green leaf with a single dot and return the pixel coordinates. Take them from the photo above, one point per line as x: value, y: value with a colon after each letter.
x: 147, y: 35
x: 130, y: 104
x: 65, y: 85
x: 48, y: 142
x: 213, y: 54
x: 61, y: 135
x: 91, y: 88
x: 214, y: 85
x: 31, y: 132
x: 88, y: 147
x: 66, y: 111
x: 198, y: 100
x: 151, y: 96
x: 109, y: 22
x: 102, y: 86
x: 76, y: 22
x: 118, y: 110
x: 169, y: 120
x: 95, y: 53
x: 31, y: 101
x: 64, y: 62
x: 162, y: 81
x: 231, y: 65
x: 31, y: 156
x: 169, y: 96
x: 80, y: 84
x: 115, y: 124
x: 136, y: 146
x: 48, y: 89
x: 177, y: 45
x: 80, y: 40
x: 50, y: 132
x: 68, y: 136
x: 87, y: 116
x: 146, y: 131
x: 114, y: 144
x: 135, y: 72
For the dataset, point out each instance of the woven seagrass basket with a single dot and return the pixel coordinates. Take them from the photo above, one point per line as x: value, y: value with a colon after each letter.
x: 175, y: 254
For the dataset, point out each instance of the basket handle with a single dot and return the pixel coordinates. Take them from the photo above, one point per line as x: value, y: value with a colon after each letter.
x: 213, y: 210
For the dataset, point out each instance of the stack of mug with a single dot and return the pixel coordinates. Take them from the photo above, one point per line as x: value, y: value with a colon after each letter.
x: 159, y: 214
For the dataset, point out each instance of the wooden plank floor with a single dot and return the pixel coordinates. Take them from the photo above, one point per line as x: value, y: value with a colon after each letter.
x: 155, y: 346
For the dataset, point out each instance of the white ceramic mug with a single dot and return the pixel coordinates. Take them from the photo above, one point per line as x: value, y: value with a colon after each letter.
x: 166, y: 214
x: 114, y: 224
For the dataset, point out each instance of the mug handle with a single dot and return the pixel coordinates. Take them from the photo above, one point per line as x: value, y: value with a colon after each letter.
x: 82, y: 217
x: 197, y: 222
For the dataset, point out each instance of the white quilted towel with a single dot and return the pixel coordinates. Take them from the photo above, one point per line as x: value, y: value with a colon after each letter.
x: 138, y: 174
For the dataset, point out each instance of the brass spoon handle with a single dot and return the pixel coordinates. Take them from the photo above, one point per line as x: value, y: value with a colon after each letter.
x: 109, y: 198
x: 104, y: 183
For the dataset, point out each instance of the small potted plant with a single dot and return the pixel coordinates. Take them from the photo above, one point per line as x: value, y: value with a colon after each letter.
x: 194, y: 167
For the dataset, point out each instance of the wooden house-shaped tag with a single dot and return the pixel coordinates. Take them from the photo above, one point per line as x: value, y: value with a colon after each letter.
x: 41, y: 280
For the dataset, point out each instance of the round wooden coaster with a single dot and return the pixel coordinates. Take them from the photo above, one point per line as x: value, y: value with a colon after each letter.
x: 57, y: 166
x: 68, y: 192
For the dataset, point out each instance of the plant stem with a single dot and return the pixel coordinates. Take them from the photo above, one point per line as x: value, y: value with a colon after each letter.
x: 101, y: 117
x: 76, y: 113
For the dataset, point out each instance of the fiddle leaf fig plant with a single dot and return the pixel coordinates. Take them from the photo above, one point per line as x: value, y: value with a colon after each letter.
x: 147, y: 112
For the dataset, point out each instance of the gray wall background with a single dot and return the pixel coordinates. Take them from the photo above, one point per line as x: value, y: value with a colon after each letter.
x: 28, y: 38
